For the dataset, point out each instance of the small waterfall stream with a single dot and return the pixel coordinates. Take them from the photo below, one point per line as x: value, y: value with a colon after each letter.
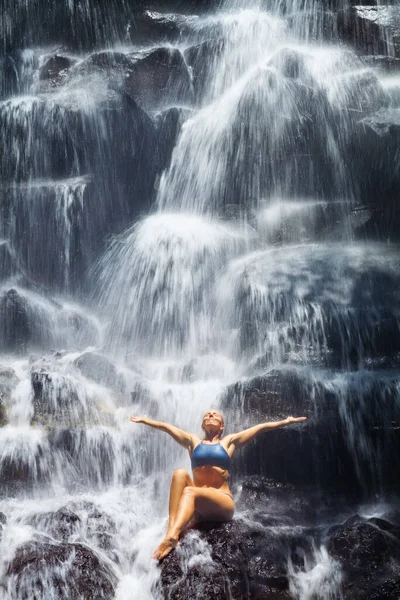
x: 140, y: 280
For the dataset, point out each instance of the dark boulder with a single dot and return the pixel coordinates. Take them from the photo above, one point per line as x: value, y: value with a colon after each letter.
x: 160, y: 79
x: 14, y: 326
x: 169, y: 124
x: 8, y: 264
x: 8, y: 382
x: 41, y: 570
x: 231, y: 560
x: 61, y: 401
x: 290, y: 63
x: 313, y: 24
x: 365, y: 545
x: 3, y: 412
x: 90, y: 455
x: 371, y: 29
x: 78, y: 520
x: 114, y: 65
x: 153, y: 27
x: 327, y: 451
x: 384, y: 64
x: 60, y: 525
x: 114, y: 143
x: 9, y: 80
x: 29, y: 321
x: 377, y: 158
x: 53, y: 212
x: 201, y: 59
x: 275, y: 395
x: 271, y: 501
x: 368, y: 551
x: 361, y: 91
x: 68, y: 24
x: 26, y: 462
x: 3, y: 521
x: 55, y: 68
x: 99, y: 527
x: 290, y: 315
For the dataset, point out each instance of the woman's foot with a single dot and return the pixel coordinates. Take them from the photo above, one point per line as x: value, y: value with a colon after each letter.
x: 165, y: 548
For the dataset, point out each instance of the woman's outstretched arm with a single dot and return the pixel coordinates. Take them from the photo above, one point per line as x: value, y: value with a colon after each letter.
x: 182, y: 437
x: 242, y: 438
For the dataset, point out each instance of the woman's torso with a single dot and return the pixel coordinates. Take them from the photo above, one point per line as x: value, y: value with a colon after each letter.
x: 209, y: 475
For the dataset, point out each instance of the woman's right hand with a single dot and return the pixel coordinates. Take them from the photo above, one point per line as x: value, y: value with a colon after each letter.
x: 145, y: 419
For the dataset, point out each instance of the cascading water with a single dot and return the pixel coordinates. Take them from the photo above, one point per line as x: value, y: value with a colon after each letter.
x: 245, y: 288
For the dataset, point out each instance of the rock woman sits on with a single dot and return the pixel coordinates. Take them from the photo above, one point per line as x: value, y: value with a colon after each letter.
x: 207, y: 496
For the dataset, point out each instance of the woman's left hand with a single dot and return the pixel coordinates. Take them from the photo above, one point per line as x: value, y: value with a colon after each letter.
x: 295, y: 419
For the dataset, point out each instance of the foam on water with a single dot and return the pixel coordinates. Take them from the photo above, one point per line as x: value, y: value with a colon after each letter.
x: 155, y: 283
x: 320, y: 580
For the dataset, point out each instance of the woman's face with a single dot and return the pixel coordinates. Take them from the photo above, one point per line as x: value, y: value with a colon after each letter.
x: 213, y: 421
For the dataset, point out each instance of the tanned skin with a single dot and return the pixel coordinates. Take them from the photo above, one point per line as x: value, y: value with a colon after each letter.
x: 207, y: 494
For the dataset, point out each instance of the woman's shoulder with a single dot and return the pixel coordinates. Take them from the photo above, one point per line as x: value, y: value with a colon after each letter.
x: 196, y: 440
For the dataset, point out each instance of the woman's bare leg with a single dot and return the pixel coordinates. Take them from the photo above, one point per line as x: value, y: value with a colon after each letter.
x: 180, y: 480
x: 209, y: 502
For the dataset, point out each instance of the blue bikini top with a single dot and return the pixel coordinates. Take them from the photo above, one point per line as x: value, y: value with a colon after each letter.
x: 212, y: 455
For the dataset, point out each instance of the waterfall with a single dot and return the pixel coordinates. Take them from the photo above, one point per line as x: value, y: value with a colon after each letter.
x: 200, y: 232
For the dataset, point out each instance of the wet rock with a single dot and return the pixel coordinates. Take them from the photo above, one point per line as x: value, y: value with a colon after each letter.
x: 237, y: 560
x: 316, y: 25
x: 97, y: 367
x: 15, y: 327
x: 60, y: 401
x: 9, y: 84
x: 327, y: 453
x: 7, y: 261
x: 94, y: 25
x: 8, y: 382
x: 272, y: 396
x: 60, y: 525
x: 290, y: 63
x: 78, y: 520
x: 169, y: 124
x: 273, y: 502
x: 380, y: 136
x: 151, y: 26
x: 309, y: 327
x: 385, y: 64
x: 53, y: 570
x: 26, y: 461
x: 372, y: 29
x: 55, y: 68
x: 29, y: 321
x: 368, y: 551
x: 160, y: 79
x: 3, y: 521
x: 362, y: 544
x: 92, y: 454
x: 201, y: 59
x: 3, y: 412
x: 106, y: 60
x: 120, y: 156
x: 55, y: 213
x: 362, y: 92
x: 98, y: 527
x: 114, y: 65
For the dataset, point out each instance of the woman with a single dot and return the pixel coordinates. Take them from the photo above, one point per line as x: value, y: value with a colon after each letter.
x: 206, y: 495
